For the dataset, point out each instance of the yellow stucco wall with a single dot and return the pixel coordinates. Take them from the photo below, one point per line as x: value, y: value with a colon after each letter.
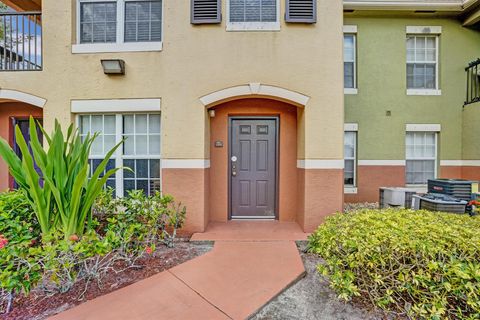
x: 195, y: 61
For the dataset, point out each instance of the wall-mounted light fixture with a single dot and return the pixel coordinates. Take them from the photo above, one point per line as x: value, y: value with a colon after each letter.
x: 113, y: 66
x: 211, y: 113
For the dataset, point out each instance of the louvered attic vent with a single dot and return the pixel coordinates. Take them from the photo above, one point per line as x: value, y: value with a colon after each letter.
x: 301, y: 11
x: 206, y: 11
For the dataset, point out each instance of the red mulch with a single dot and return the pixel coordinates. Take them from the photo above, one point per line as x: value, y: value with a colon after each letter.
x: 37, y: 306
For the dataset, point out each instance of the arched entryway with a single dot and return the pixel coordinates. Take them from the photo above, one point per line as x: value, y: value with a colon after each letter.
x: 15, y: 109
x: 266, y: 118
x: 253, y: 160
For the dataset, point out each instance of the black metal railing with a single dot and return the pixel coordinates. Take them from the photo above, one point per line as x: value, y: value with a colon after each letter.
x: 473, y: 82
x: 20, y: 41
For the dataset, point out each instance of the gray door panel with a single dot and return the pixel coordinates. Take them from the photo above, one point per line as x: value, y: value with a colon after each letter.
x: 253, y: 173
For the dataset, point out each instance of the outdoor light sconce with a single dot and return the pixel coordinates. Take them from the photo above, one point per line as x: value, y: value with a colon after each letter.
x: 113, y: 66
x: 211, y: 113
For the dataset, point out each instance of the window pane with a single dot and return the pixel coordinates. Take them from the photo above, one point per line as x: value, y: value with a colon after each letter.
x: 84, y: 124
x: 97, y: 147
x: 128, y: 163
x: 109, y: 125
x: 154, y: 145
x: 154, y: 168
x: 128, y: 126
x: 98, y: 22
x: 141, y: 145
x: 348, y: 48
x: 348, y: 77
x: 143, y: 21
x: 154, y: 123
x: 128, y: 185
x: 140, y: 123
x: 253, y: 10
x: 141, y: 169
x: 109, y: 143
x: 129, y: 145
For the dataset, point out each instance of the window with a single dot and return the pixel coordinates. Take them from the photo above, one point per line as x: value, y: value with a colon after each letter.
x: 253, y: 15
x: 119, y: 25
x: 350, y: 154
x: 421, y: 156
x: 143, y: 21
x: 140, y: 152
x: 98, y: 22
x: 422, y: 62
x: 349, y: 61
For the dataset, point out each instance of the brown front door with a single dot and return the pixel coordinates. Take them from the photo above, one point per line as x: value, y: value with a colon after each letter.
x: 253, y: 167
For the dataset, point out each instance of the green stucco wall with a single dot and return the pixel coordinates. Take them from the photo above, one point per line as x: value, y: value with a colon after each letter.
x: 471, y: 132
x: 381, y: 57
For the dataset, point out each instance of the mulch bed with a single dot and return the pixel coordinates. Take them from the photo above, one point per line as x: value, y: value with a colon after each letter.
x: 38, y: 306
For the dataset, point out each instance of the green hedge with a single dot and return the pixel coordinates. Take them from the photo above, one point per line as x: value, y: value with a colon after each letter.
x: 416, y: 263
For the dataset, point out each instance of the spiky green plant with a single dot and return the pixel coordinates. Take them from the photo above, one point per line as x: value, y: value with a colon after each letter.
x: 65, y: 200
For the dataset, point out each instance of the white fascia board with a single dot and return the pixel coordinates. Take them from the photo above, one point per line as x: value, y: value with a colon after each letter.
x: 185, y: 163
x: 381, y: 162
x: 115, y: 105
x: 320, y: 164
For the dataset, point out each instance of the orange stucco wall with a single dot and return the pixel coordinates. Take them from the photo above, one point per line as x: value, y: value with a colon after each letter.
x: 371, y: 178
x: 287, y: 154
x: 321, y: 194
x: 8, y: 110
x: 190, y: 187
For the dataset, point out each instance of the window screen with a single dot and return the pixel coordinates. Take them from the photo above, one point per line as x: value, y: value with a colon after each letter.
x: 350, y: 152
x: 349, y: 61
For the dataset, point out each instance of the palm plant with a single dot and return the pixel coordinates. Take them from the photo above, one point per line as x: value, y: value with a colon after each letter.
x: 64, y: 200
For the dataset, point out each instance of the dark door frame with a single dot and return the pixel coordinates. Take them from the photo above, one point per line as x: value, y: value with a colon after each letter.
x: 11, y: 139
x: 277, y: 160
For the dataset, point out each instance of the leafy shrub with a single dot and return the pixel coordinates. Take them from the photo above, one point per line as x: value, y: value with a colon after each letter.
x: 62, y: 195
x: 124, y: 230
x: 18, y: 228
x: 419, y: 263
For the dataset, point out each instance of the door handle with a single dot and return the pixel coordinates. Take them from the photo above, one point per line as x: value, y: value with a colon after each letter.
x: 234, y: 166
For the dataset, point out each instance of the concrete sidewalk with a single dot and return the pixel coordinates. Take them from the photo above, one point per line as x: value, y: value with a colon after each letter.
x: 232, y: 281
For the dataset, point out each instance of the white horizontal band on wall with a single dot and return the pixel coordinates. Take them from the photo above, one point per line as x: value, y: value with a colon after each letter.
x: 320, y: 164
x: 350, y: 127
x: 115, y: 105
x: 185, y: 163
x: 429, y: 127
x: 350, y: 29
x: 15, y: 95
x: 381, y: 162
x: 254, y: 88
x: 424, y: 29
x: 460, y: 163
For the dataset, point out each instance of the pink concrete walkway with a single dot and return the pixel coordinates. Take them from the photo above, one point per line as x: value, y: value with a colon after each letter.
x: 232, y: 281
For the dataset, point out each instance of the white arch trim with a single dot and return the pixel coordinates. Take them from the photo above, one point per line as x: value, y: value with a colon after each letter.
x: 15, y: 95
x: 254, y: 89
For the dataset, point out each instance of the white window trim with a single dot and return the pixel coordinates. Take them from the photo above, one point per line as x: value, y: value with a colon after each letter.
x: 427, y: 92
x: 350, y: 190
x: 424, y: 92
x: 435, y: 168
x: 118, y: 156
x: 427, y: 30
x: 353, y: 90
x: 115, y: 105
x: 119, y: 45
x: 429, y: 127
x: 350, y: 127
x: 350, y: 29
x: 252, y: 26
x: 350, y: 90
